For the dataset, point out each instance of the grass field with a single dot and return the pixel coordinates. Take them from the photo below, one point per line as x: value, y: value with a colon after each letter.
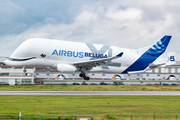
x: 99, y: 106
x: 116, y: 107
x: 91, y: 87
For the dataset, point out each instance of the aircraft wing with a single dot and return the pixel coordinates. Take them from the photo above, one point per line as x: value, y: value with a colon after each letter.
x: 93, y: 63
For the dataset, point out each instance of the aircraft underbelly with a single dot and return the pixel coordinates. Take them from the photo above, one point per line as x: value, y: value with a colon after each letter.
x: 116, y: 70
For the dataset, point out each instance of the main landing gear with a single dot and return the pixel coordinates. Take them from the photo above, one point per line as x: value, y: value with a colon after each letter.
x: 84, y: 76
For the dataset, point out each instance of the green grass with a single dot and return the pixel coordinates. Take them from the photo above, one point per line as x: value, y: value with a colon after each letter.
x: 98, y: 106
x: 117, y: 107
x: 90, y: 87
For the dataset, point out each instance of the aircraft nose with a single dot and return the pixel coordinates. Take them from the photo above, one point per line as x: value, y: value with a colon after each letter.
x: 6, y: 62
x: 9, y: 63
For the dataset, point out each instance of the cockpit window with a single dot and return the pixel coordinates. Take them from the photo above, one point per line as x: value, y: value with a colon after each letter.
x: 12, y: 59
x: 43, y: 55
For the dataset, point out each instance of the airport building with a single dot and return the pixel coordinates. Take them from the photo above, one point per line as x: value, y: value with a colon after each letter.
x: 36, y: 75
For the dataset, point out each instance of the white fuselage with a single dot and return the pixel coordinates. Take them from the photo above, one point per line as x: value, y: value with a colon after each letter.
x: 69, y: 56
x: 66, y: 52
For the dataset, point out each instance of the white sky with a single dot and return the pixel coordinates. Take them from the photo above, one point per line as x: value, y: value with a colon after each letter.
x: 122, y: 23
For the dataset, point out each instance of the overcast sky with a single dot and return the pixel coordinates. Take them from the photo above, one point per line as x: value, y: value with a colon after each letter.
x: 122, y: 23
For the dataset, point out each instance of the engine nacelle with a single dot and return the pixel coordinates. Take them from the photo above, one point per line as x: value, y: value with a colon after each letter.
x: 66, y: 68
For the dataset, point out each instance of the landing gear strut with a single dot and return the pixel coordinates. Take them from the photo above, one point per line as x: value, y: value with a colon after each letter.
x: 84, y: 76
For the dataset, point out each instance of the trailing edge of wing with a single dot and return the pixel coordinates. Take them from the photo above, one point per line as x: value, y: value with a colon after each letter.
x: 93, y: 63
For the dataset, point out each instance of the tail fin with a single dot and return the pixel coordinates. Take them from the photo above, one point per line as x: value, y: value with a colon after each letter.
x: 171, y: 59
x: 149, y: 55
x: 159, y: 47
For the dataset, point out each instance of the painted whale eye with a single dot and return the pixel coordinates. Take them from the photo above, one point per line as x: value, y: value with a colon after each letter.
x: 43, y: 55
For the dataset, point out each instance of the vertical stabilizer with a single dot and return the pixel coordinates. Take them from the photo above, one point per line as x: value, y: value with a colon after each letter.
x: 149, y: 55
x: 159, y: 47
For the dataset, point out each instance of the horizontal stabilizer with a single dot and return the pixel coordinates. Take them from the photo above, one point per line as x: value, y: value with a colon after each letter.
x: 171, y: 60
x: 141, y: 71
x: 152, y: 65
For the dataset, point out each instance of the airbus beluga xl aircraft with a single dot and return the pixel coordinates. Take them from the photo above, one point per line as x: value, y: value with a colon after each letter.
x: 80, y: 57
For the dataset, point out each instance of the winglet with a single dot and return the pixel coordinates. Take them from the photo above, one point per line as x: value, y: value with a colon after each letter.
x: 119, y: 55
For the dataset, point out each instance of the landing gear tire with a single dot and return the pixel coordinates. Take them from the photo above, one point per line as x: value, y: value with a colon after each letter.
x: 86, y: 78
x: 82, y: 75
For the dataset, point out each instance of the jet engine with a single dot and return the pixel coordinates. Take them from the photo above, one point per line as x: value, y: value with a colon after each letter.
x: 66, y: 68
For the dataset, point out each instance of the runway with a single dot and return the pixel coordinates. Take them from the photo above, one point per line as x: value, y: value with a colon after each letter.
x: 89, y: 92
